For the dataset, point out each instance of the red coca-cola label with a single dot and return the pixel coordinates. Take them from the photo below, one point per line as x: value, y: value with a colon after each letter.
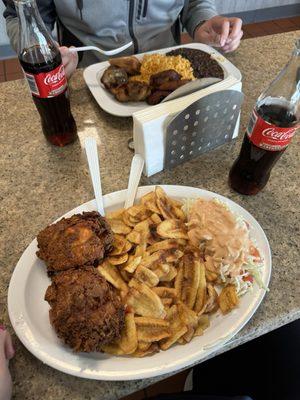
x: 47, y: 84
x: 267, y: 136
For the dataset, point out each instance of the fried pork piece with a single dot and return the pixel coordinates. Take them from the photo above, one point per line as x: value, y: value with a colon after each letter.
x: 156, y: 80
x: 113, y: 77
x: 132, y: 91
x: 130, y: 64
x: 74, y: 242
x: 157, y: 96
x: 86, y: 311
x: 173, y: 85
x: 164, y: 90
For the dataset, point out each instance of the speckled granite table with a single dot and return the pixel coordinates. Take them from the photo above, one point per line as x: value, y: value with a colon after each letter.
x: 38, y: 183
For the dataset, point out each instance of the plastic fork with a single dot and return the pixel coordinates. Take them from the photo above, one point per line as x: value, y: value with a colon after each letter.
x: 136, y: 169
x: 93, y: 161
x: 105, y: 52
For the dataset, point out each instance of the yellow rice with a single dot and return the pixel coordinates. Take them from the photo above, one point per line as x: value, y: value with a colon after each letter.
x: 154, y: 63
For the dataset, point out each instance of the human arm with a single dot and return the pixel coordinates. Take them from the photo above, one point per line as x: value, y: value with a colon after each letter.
x: 48, y: 14
x: 205, y: 26
x: 220, y: 31
x: 6, y: 353
x: 195, y: 12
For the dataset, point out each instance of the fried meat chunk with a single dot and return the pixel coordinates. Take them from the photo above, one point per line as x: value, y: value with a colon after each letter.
x: 76, y: 241
x: 132, y: 91
x: 131, y: 65
x: 86, y: 311
x: 113, y: 77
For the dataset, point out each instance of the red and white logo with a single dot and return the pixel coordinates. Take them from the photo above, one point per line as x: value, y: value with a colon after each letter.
x: 273, y: 134
x: 47, y: 84
x: 267, y: 136
x: 54, y: 79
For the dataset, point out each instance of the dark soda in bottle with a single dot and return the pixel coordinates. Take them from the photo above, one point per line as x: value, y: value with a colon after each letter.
x: 272, y: 125
x: 41, y: 61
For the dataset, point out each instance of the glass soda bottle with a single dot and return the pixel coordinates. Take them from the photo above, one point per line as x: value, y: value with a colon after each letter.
x: 272, y: 125
x: 42, y: 65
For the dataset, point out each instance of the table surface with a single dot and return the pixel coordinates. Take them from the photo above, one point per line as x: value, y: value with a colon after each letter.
x: 39, y: 183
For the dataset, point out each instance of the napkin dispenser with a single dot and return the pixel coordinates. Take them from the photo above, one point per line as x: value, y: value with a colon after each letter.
x: 201, y: 121
x: 203, y: 126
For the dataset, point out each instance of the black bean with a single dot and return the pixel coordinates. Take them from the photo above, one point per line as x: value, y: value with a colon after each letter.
x: 202, y: 63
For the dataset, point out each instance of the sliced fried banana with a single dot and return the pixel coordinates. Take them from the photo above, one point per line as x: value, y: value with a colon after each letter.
x: 113, y: 276
x: 132, y: 263
x: 228, y: 299
x: 120, y: 245
x: 177, y: 328
x: 144, y: 301
x: 118, y: 260
x: 172, y: 229
x: 145, y: 275
x: 191, y: 279
x: 167, y: 207
x: 118, y: 226
x: 201, y: 292
x: 149, y: 201
x: 151, y: 329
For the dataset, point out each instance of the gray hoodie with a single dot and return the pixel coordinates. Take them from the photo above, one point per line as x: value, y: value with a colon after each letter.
x: 111, y: 23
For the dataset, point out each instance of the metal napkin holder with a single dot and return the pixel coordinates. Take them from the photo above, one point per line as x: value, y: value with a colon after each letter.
x: 203, y: 126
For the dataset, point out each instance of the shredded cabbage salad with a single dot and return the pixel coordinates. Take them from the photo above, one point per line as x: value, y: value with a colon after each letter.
x: 251, y: 269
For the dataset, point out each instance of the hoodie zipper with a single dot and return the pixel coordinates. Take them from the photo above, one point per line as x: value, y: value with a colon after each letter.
x: 80, y: 7
x: 145, y: 8
x: 130, y: 23
x: 139, y: 9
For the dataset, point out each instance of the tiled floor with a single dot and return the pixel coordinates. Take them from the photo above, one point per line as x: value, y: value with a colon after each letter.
x: 10, y: 69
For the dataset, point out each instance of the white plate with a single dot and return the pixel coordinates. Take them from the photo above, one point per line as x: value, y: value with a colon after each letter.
x: 92, y: 76
x: 28, y: 311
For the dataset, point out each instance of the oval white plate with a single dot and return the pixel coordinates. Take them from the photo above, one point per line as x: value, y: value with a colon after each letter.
x: 92, y: 76
x: 28, y: 311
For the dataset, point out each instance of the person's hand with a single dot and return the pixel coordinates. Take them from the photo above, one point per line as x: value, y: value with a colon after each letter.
x: 222, y: 32
x: 69, y: 59
x: 6, y: 353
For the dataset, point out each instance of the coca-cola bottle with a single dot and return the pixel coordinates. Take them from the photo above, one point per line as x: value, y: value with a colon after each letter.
x: 42, y: 65
x: 272, y: 125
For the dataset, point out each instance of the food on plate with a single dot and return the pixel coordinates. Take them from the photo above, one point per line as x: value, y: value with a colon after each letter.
x: 158, y: 79
x: 202, y: 63
x: 132, y: 91
x: 157, y: 96
x: 114, y: 77
x: 224, y: 242
x: 163, y: 83
x: 171, y: 265
x: 228, y: 299
x: 153, y: 79
x: 131, y: 65
x: 155, y: 63
x: 160, y: 74
x: 73, y: 242
x: 173, y: 85
x: 86, y: 311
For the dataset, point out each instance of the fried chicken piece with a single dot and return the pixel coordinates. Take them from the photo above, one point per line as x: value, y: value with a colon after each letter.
x: 130, y: 64
x: 76, y: 241
x: 86, y: 311
x: 162, y: 77
x: 133, y: 91
x: 113, y: 77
